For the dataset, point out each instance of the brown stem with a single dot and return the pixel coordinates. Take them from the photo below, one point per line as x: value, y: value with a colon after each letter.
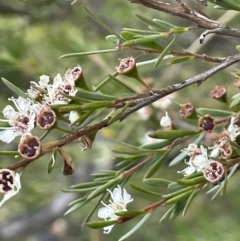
x: 149, y: 98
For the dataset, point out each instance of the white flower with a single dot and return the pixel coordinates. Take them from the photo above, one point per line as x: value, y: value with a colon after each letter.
x: 198, y: 159
x: 21, y: 121
x: 120, y: 199
x: 9, y: 184
x: 165, y: 121
x: 233, y: 130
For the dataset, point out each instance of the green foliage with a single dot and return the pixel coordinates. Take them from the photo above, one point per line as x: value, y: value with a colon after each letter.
x: 106, y: 104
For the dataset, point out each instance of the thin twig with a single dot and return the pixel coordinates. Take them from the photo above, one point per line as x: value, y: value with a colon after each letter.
x: 140, y: 103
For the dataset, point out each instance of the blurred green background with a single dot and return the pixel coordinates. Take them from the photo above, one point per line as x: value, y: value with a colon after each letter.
x: 33, y: 35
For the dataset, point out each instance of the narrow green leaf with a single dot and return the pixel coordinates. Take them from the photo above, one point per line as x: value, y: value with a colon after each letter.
x: 167, y: 214
x: 144, y: 40
x: 87, y: 53
x: 100, y: 224
x: 15, y: 89
x: 172, y: 134
x: 160, y: 159
x: 213, y: 112
x: 112, y: 39
x: 100, y: 22
x: 94, y: 96
x: 165, y: 51
x: 136, y: 227
x: 74, y: 190
x: 147, y: 21
x: 179, y: 30
x: 140, y: 31
x: 157, y: 182
x: 96, y: 105
x: 236, y: 100
x: 105, y: 81
x: 222, y: 185
x: 180, y: 60
x: 87, y: 118
x: 130, y: 213
x: 137, y: 188
x: 9, y: 153
x: 173, y: 194
x: 122, y: 84
x: 76, y: 206
x: 191, y: 182
x: 189, y: 201
x: 178, y: 197
x: 92, y: 211
x: 174, y: 185
x: 119, y: 113
x: 77, y: 201
x: 66, y: 107
x: 156, y: 145
x: 103, y: 188
x: 127, y: 35
x: 162, y: 25
x: 178, y: 208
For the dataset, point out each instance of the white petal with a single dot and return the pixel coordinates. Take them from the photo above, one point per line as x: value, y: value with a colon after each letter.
x: 57, y: 80
x: 44, y: 79
x: 188, y: 171
x: 8, y: 195
x: 73, y: 116
x: 108, y: 229
x: 8, y: 135
x: 103, y: 212
x: 9, y: 113
x: 117, y: 195
x: 126, y: 197
x: 22, y: 104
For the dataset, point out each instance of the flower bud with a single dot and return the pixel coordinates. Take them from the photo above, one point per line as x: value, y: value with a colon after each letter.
x: 206, y: 123
x: 46, y: 119
x: 214, y: 171
x: 30, y: 147
x: 219, y: 93
x: 166, y: 121
x: 187, y: 111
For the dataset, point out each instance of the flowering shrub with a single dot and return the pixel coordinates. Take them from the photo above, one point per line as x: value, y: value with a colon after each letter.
x: 69, y: 104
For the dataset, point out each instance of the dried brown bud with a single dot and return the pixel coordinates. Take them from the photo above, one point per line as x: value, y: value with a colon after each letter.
x: 214, y: 171
x: 126, y: 65
x: 237, y: 83
x: 206, y: 123
x: 30, y: 147
x: 187, y: 110
x: 46, y: 119
x: 76, y: 75
x: 68, y: 165
x: 226, y: 151
x: 219, y: 93
x: 84, y: 143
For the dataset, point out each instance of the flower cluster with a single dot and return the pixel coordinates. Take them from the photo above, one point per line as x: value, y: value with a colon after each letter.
x: 27, y: 113
x: 212, y: 170
x: 120, y: 199
x: 222, y: 146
